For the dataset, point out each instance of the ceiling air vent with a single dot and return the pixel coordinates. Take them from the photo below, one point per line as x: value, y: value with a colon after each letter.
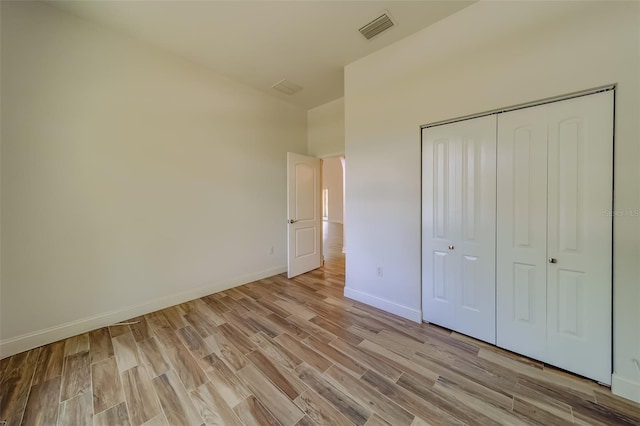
x: 375, y: 27
x: 287, y: 87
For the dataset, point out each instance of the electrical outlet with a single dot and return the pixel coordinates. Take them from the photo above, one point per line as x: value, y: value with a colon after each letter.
x: 379, y: 271
x: 271, y: 250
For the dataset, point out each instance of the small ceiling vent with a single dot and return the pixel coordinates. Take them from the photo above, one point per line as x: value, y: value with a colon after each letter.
x: 287, y: 87
x: 377, y: 26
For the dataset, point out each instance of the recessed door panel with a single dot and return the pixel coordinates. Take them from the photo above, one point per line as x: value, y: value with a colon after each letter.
x: 442, y: 175
x: 306, y: 244
x: 569, y: 304
x: 522, y: 190
x: 440, y: 278
x: 469, y: 282
x: 306, y: 181
x: 570, y: 190
x: 524, y: 292
x: 470, y: 191
x: 442, y: 288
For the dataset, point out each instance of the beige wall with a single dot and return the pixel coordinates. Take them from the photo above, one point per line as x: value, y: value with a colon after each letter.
x: 332, y: 181
x: 326, y: 129
x: 131, y: 179
x: 490, y: 55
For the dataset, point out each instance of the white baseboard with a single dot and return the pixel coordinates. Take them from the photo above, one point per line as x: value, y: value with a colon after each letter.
x: 625, y: 388
x: 384, y: 304
x: 38, y: 338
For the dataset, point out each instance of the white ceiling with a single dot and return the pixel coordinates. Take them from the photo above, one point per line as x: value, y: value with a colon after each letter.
x: 261, y: 42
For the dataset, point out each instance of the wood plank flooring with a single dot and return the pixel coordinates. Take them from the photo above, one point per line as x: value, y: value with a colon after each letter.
x: 291, y: 352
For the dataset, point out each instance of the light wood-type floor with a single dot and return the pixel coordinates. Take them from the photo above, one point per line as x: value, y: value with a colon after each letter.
x: 291, y: 352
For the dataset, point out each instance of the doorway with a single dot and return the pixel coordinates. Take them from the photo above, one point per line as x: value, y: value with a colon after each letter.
x: 333, y: 180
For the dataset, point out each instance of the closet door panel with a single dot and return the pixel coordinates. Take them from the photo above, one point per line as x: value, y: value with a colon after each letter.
x: 476, y: 245
x: 580, y: 237
x: 521, y: 234
x: 459, y: 226
x: 439, y: 226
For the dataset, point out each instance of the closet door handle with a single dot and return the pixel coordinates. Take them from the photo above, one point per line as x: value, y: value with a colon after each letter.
x: 553, y: 260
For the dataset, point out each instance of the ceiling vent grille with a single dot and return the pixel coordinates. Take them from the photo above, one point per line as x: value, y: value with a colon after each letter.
x: 375, y: 27
x: 287, y: 87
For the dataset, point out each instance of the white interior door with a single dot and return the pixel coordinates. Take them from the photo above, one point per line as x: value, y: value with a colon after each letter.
x: 304, y: 224
x: 580, y: 234
x: 521, y: 274
x: 458, y: 226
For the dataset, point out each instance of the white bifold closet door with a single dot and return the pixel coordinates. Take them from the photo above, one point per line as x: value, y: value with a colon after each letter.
x: 554, y: 236
x: 458, y: 228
